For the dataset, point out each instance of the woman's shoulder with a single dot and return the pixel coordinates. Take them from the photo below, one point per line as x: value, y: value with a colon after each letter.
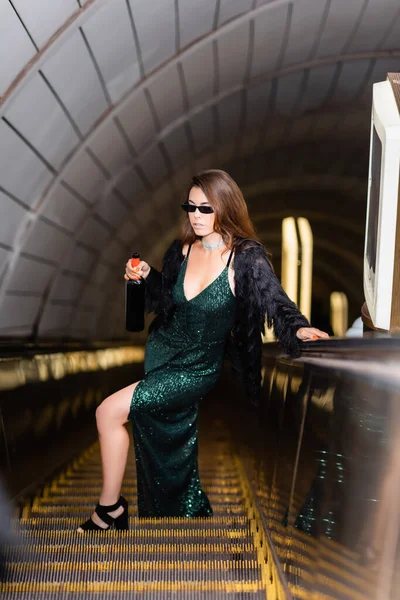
x: 251, y: 254
x: 247, y: 246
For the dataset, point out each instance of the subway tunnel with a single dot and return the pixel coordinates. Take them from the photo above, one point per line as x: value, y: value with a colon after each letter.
x: 108, y: 107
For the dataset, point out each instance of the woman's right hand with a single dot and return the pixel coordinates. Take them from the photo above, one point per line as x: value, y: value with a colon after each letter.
x: 142, y: 269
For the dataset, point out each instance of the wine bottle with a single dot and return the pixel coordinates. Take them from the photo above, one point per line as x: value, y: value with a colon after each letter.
x: 134, y: 300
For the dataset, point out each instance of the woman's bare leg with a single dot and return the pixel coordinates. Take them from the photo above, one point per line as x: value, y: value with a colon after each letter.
x: 111, y: 416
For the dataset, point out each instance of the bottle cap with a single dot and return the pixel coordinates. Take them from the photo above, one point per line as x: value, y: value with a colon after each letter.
x: 135, y: 260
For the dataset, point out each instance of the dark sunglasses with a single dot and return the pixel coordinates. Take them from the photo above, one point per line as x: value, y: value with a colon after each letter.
x: 206, y: 210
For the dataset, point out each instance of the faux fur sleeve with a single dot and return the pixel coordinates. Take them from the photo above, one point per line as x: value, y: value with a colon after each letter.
x: 282, y: 314
x: 153, y: 291
x: 158, y: 284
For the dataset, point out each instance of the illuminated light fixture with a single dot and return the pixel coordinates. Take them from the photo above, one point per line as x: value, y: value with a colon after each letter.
x: 297, y: 264
x: 290, y: 258
x: 306, y: 242
x: 339, y: 313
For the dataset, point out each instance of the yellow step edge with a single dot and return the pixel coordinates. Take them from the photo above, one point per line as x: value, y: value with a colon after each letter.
x: 133, y: 586
x: 133, y: 565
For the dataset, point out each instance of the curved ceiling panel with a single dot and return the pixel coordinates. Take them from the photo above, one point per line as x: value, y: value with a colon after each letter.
x: 109, y: 107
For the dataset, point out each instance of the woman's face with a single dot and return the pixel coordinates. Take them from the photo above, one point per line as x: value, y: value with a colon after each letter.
x: 202, y: 224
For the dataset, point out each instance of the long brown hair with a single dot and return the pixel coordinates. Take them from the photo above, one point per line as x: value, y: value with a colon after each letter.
x: 232, y: 219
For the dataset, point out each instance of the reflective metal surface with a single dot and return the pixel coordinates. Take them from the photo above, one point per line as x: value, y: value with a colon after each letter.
x: 324, y: 459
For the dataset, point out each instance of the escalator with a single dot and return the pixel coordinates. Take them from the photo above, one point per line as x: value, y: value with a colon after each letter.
x: 218, y: 557
x: 305, y: 487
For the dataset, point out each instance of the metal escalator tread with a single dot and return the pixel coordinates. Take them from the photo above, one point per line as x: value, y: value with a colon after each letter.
x: 213, y: 558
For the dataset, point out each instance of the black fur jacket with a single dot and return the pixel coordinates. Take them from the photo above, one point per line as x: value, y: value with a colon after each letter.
x: 259, y: 296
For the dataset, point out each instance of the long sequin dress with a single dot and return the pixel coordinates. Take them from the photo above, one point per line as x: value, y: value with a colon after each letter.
x: 183, y: 361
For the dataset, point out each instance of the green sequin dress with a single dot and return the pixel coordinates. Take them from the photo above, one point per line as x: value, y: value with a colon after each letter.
x: 183, y: 361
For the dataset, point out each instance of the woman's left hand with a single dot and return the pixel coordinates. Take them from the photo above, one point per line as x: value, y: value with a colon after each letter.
x: 310, y: 334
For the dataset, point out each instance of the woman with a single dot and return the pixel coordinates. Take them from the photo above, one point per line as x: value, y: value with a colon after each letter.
x: 217, y: 285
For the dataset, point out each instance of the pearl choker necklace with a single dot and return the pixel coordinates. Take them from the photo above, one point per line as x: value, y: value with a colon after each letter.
x: 209, y: 246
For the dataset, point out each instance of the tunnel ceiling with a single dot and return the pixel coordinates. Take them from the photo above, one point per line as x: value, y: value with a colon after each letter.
x: 109, y: 106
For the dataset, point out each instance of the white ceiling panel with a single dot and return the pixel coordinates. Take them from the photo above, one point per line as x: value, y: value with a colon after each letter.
x: 30, y: 276
x: 375, y: 24
x: 226, y: 153
x: 93, y: 234
x: 43, y: 18
x: 268, y: 39
x: 91, y: 297
x: 183, y: 177
x: 115, y: 254
x: 248, y: 143
x: 36, y: 114
x: 350, y: 80
x: 229, y: 111
x: 289, y: 90
x: 145, y: 212
x: 257, y: 103
x: 339, y: 25
x: 199, y: 72
x: 195, y: 20
x: 319, y: 82
x: 11, y: 216
x: 64, y: 209
x: 12, y: 35
x: 155, y: 24
x: 18, y: 311
x: 99, y: 275
x: 166, y: 94
x: 300, y: 128
x: 232, y: 8
x: 203, y: 130
x: 306, y: 20
x: 353, y: 123
x: 392, y: 38
x: 128, y: 231
x: 67, y: 287
x: 153, y: 165
x: 324, y: 125
x: 131, y: 186
x: 55, y: 320
x: 111, y: 209
x: 177, y: 146
x: 16, y: 158
x: 83, y: 321
x: 72, y: 74
x: 162, y: 196
x: 136, y: 119
x: 45, y: 241
x: 5, y: 255
x: 110, y: 147
x: 208, y: 162
x: 80, y: 261
x: 275, y: 132
x: 110, y: 28
x: 84, y: 176
x: 233, y: 49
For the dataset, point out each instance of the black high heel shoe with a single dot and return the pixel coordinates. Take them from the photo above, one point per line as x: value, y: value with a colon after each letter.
x: 120, y: 522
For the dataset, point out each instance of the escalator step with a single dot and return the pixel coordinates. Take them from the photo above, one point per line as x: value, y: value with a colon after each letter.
x: 146, y: 595
x: 144, y: 571
x: 130, y: 553
x: 79, y: 512
x: 209, y: 558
